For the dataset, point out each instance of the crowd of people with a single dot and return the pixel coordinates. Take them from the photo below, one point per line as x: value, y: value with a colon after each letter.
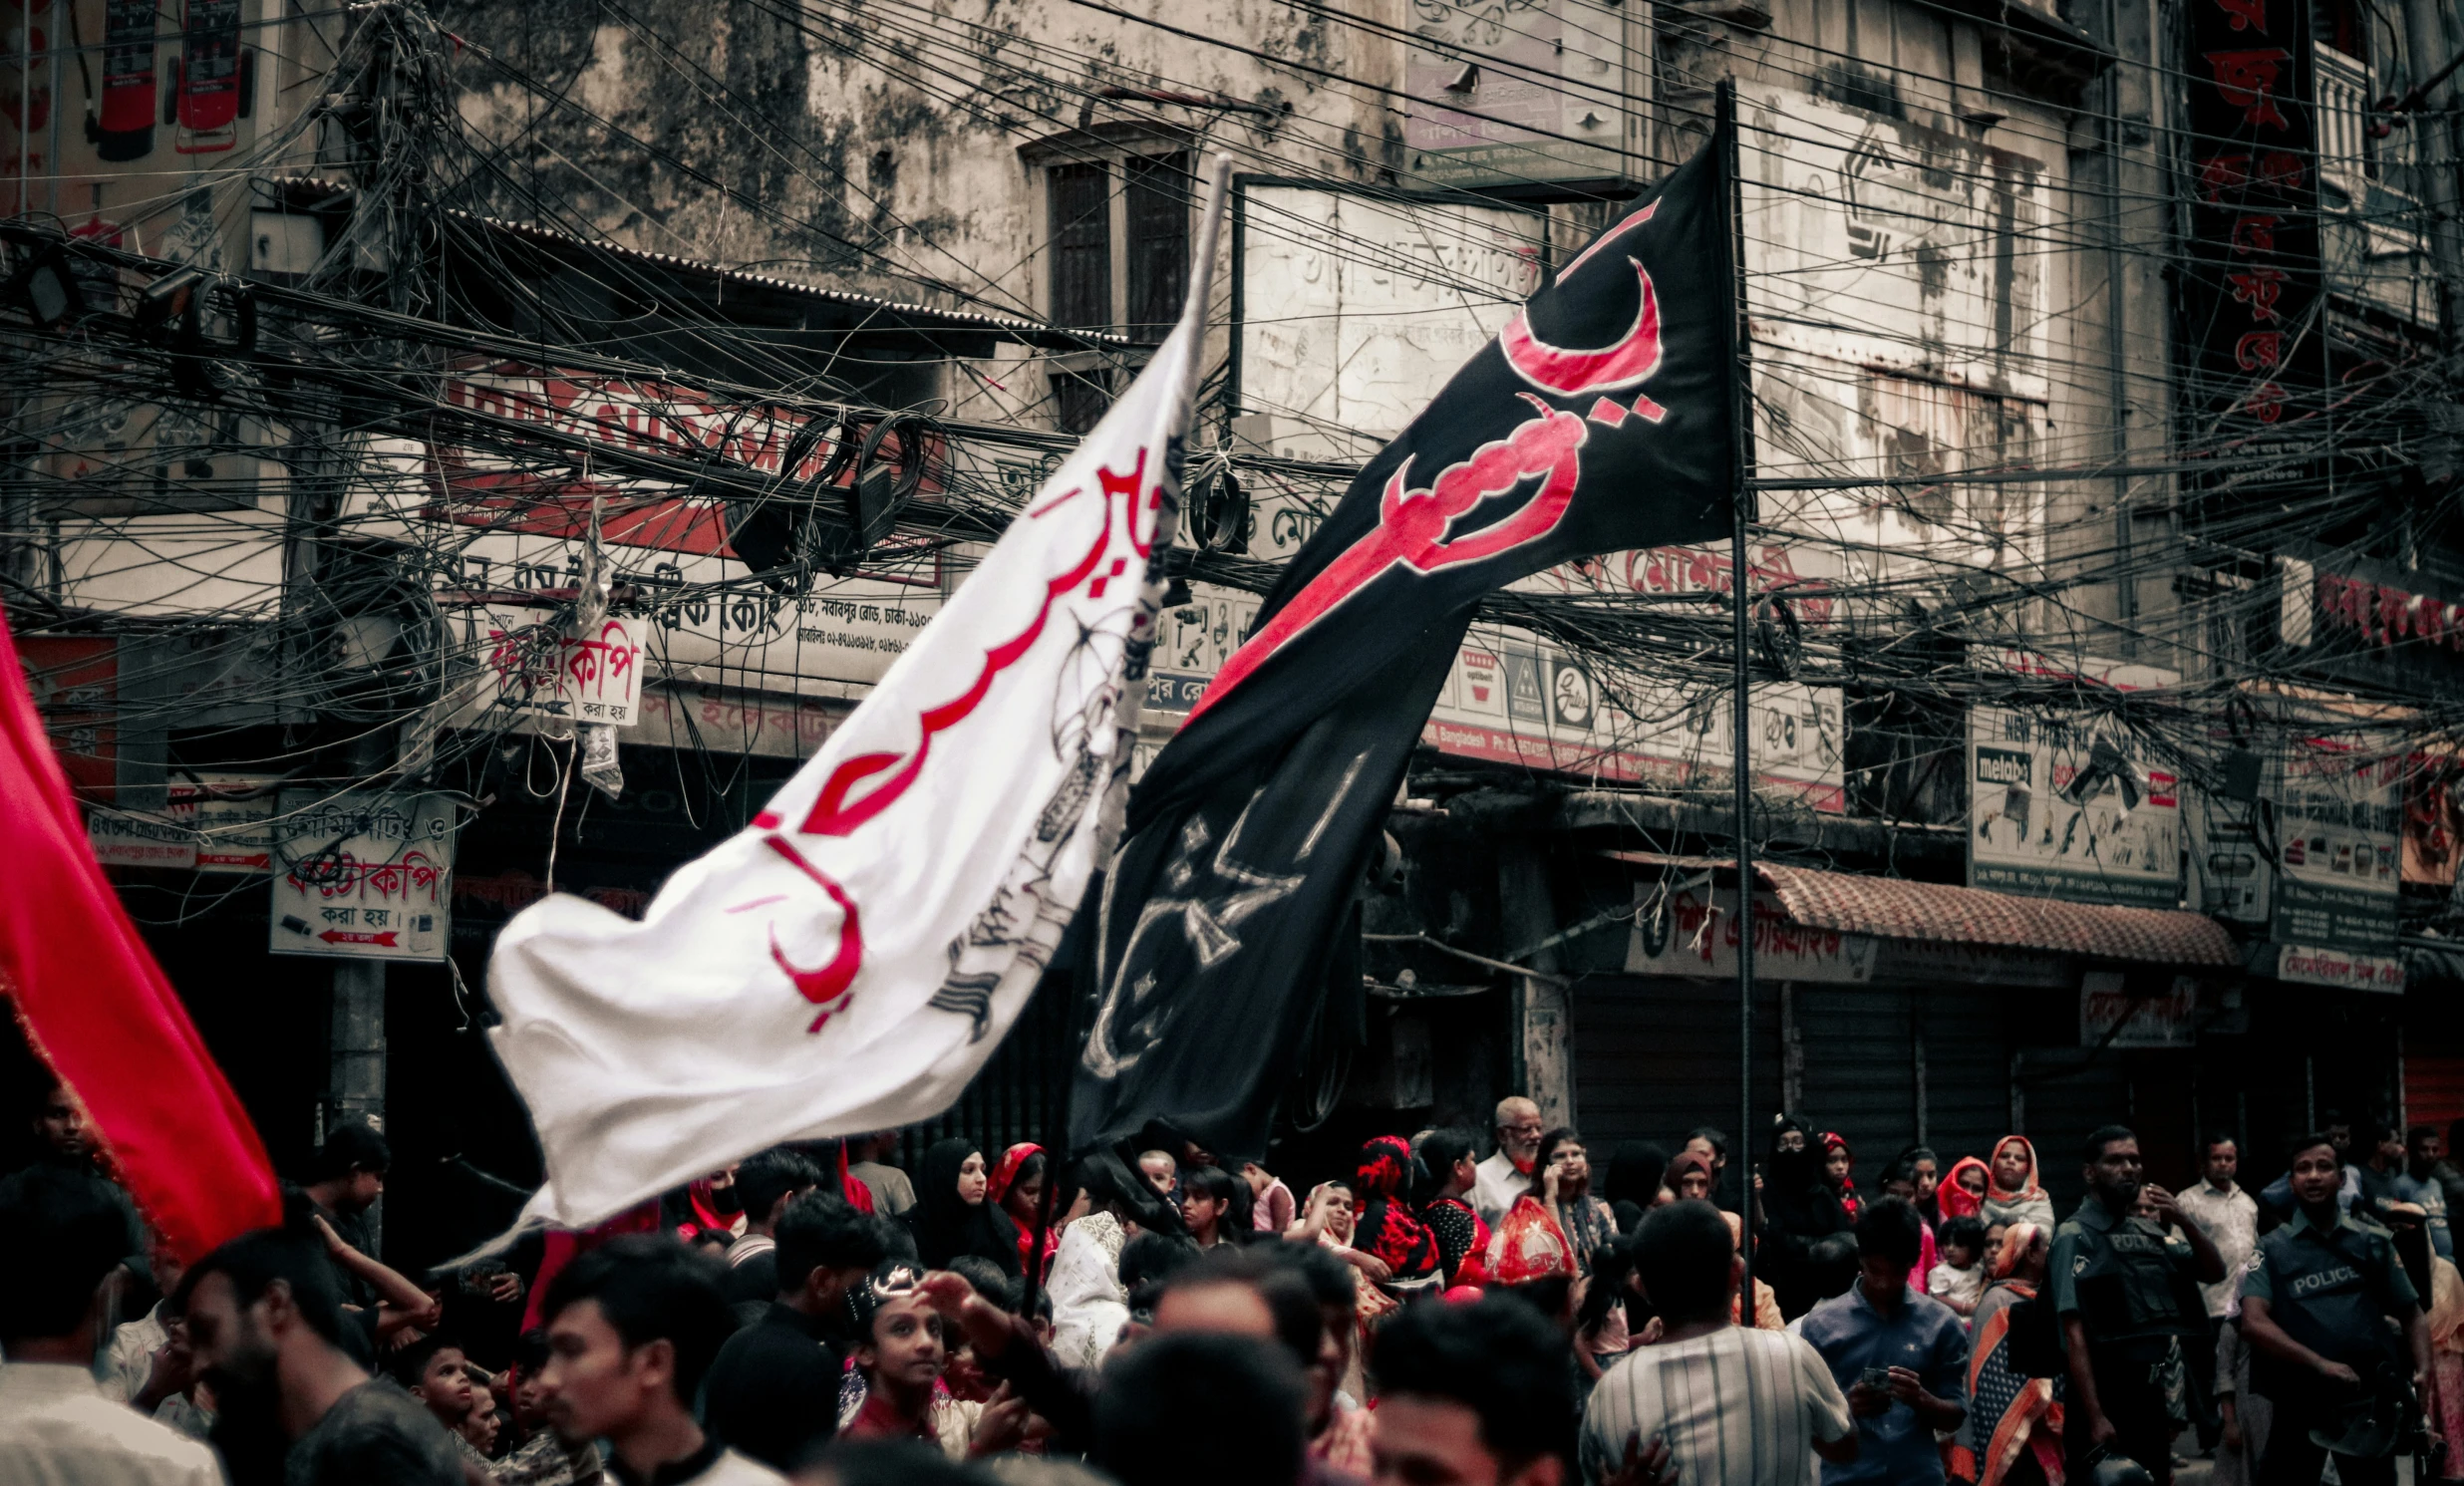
x: 1435, y: 1314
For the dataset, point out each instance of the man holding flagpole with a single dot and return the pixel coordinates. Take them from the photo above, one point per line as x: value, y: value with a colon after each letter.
x: 851, y: 960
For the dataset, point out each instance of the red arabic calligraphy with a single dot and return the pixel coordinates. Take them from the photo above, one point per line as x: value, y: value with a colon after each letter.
x: 839, y: 809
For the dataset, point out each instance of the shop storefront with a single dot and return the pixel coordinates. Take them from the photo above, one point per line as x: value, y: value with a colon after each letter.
x: 1901, y: 1013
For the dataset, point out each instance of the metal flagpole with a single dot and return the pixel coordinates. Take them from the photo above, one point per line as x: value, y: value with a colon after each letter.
x: 1740, y: 427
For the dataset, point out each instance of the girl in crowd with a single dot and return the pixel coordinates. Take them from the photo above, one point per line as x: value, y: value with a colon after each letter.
x: 1638, y: 1182
x: 953, y: 1213
x: 1767, y: 1300
x: 1462, y: 1239
x: 894, y: 1389
x: 2014, y: 1196
x: 1017, y: 1187
x: 1839, y: 1166
x: 1090, y: 1302
x: 1272, y: 1209
x: 2014, y: 1430
x: 1689, y: 1177
x: 1924, y: 1172
x: 1904, y: 1181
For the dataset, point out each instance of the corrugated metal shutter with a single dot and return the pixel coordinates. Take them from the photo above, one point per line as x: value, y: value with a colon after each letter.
x: 1966, y: 1070
x: 2065, y: 1094
x: 1860, y: 1071
x: 2433, y: 1087
x: 1022, y: 1092
x: 1656, y: 1056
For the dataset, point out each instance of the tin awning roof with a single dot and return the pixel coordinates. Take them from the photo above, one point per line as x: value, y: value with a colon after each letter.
x: 1894, y: 907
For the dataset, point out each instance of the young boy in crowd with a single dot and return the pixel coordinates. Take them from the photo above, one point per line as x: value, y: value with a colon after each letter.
x: 900, y: 1356
x: 1958, y: 1280
x: 433, y: 1370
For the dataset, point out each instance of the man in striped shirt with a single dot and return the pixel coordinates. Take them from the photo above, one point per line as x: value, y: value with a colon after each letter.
x: 1735, y: 1406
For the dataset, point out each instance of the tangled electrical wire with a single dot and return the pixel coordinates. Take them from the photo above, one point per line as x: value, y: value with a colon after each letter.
x: 472, y: 158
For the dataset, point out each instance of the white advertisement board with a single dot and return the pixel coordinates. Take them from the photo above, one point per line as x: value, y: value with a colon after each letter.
x: 362, y: 876
x: 537, y: 668
x: 1513, y: 698
x: 231, y: 817
x: 1356, y: 309
x: 1513, y: 94
x: 2072, y: 804
x: 1693, y: 930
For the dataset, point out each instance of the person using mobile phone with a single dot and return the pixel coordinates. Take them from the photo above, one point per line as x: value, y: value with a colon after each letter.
x: 1901, y: 1357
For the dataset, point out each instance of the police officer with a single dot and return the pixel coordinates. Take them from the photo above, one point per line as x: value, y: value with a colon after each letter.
x: 2316, y: 1313
x: 2127, y: 1291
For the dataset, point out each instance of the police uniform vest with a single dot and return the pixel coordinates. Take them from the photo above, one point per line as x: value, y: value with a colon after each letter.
x: 2331, y: 1291
x: 2132, y: 1282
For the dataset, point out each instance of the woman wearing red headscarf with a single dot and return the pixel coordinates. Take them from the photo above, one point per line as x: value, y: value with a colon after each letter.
x: 1963, y: 1189
x: 1386, y: 1226
x: 1839, y: 1165
x: 1017, y: 1187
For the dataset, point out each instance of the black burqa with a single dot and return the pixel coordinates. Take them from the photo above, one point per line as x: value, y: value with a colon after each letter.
x: 1635, y: 1175
x: 1799, y: 1209
x: 946, y: 1225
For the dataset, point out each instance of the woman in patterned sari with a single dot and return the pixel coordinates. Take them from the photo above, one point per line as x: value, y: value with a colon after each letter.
x: 2014, y: 1430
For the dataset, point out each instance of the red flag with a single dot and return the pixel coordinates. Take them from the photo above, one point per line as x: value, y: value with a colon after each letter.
x: 97, y: 1008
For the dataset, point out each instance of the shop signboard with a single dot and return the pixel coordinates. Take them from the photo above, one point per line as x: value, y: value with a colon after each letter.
x: 2339, y: 834
x: 362, y: 876
x: 2072, y: 804
x: 538, y: 669
x: 1514, y: 697
x: 1942, y: 962
x: 1517, y: 96
x: 2314, y: 857
x: 120, y: 838
x: 2342, y: 969
x: 1693, y: 930
x: 2111, y: 1016
x: 2251, y: 280
x: 230, y: 816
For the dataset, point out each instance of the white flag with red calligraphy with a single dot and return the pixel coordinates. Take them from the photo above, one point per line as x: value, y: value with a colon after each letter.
x: 851, y: 960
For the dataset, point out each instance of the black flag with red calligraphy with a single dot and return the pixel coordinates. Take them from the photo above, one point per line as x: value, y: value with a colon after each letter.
x: 1598, y: 421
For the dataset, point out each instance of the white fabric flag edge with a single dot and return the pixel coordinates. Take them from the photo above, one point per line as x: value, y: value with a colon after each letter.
x: 916, y: 921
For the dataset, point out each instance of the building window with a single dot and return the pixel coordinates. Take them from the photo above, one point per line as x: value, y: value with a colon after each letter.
x: 1082, y: 245
x: 1119, y: 233
x: 1155, y: 205
x: 1079, y: 400
x: 1118, y: 229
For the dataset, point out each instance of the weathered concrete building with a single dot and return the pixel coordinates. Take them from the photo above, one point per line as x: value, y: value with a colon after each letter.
x: 928, y: 240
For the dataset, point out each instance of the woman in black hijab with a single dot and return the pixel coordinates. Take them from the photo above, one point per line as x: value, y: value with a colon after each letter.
x: 952, y: 1215
x: 1800, y: 1209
